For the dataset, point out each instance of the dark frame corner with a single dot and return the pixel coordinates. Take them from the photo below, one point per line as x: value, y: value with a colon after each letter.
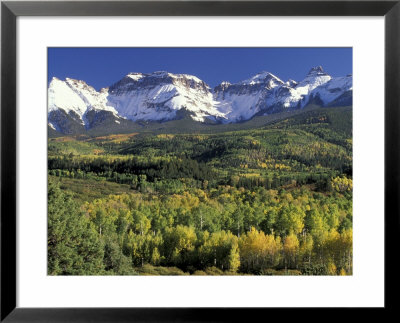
x: 10, y: 10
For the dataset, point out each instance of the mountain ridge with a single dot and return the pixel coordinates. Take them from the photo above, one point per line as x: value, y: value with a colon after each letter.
x: 74, y: 106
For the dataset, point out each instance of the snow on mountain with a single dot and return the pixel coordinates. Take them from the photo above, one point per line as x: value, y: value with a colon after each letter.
x: 265, y: 93
x: 76, y: 99
x: 291, y: 83
x: 296, y: 95
x: 94, y: 100
x: 162, y: 96
x: 243, y: 100
x: 314, y: 78
x: 331, y: 90
x: 265, y: 78
x: 62, y: 96
x: 52, y: 126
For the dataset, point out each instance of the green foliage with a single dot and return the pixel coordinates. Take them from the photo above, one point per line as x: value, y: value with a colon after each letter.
x: 314, y: 270
x: 221, y: 250
x: 273, y: 200
x: 149, y: 270
x: 74, y: 248
x: 115, y: 262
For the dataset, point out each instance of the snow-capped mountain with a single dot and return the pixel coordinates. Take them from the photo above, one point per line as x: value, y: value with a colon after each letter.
x: 243, y: 100
x: 265, y: 94
x: 74, y: 106
x: 74, y: 103
x: 160, y: 95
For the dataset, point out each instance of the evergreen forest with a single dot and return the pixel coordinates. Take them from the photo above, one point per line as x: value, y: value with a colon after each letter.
x: 271, y: 196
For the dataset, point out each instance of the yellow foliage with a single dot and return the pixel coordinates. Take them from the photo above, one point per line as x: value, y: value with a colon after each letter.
x: 115, y: 138
x: 249, y: 175
x: 342, y: 184
x: 291, y: 244
x: 98, y: 151
x: 331, y: 268
x: 257, y: 242
x: 165, y: 136
x: 263, y: 165
x: 63, y: 139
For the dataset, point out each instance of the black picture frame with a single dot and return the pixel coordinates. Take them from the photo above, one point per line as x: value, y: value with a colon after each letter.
x: 10, y: 10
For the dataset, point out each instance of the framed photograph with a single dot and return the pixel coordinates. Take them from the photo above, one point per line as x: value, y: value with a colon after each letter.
x: 197, y: 161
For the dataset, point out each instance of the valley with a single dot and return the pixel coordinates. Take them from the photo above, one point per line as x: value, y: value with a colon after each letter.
x: 265, y: 195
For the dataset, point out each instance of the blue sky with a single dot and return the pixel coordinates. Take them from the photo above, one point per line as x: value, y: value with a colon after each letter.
x: 101, y: 67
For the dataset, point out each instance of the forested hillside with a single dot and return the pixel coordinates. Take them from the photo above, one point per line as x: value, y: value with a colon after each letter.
x: 270, y: 196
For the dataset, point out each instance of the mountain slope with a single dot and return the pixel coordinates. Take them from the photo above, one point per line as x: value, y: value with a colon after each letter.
x: 158, y: 96
x: 73, y: 105
x: 243, y: 100
x: 76, y: 107
x: 265, y: 94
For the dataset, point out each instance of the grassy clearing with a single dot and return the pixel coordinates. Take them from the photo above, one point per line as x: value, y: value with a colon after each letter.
x: 89, y: 190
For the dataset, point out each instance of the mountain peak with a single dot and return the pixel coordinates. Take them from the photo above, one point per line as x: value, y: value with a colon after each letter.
x: 225, y: 83
x: 74, y: 81
x: 291, y: 82
x: 135, y: 76
x: 161, y: 96
x: 262, y: 77
x: 317, y: 70
x: 160, y: 74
